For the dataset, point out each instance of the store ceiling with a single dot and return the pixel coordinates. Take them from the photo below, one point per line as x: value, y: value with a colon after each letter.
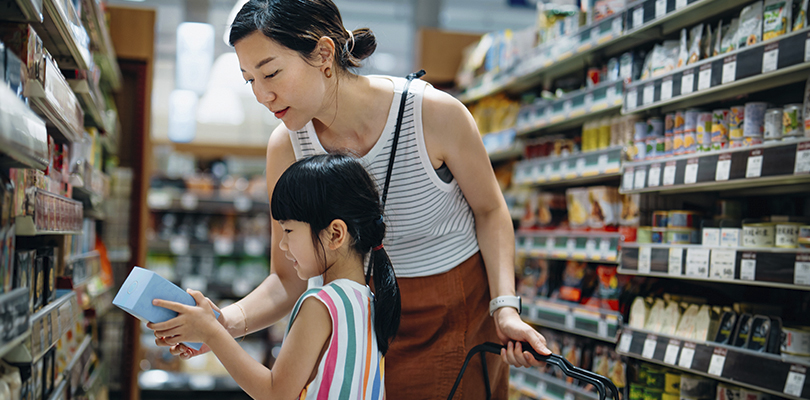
x: 394, y: 22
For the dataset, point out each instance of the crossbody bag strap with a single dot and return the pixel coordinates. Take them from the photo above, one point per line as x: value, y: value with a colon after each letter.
x: 410, y: 77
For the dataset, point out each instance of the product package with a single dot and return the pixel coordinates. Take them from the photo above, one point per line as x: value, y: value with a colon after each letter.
x: 141, y: 287
x: 604, y: 206
x: 729, y: 36
x: 749, y: 31
x: 776, y: 18
x: 578, y: 205
x: 800, y: 20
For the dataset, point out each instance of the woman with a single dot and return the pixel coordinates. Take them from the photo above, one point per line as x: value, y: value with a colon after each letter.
x: 449, y: 232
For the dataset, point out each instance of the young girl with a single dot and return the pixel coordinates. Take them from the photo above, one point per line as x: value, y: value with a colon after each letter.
x: 335, y: 344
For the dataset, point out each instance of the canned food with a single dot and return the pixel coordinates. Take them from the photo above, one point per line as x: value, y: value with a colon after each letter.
x: 641, y: 150
x: 658, y: 235
x: 736, y: 118
x: 787, y: 234
x: 773, y: 124
x: 758, y: 234
x: 640, y: 130
x: 681, y: 236
x: 804, y: 232
x: 655, y: 128
x: 711, y: 237
x: 672, y: 383
x: 719, y: 129
x: 730, y: 237
x: 796, y: 341
x: 754, y: 125
x: 677, y: 134
x: 704, y: 131
x: 650, y: 148
x: 803, y: 243
x: 681, y: 219
x: 660, y: 219
x: 644, y: 234
x: 792, y: 122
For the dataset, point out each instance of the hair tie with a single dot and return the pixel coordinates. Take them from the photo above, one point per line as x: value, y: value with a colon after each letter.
x: 351, y: 35
x: 378, y: 247
x: 380, y: 220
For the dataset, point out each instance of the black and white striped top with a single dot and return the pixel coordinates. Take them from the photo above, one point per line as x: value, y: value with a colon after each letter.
x: 431, y: 228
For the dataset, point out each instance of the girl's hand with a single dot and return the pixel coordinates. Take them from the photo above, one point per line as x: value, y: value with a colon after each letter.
x: 181, y: 350
x: 192, y: 324
x: 512, y: 330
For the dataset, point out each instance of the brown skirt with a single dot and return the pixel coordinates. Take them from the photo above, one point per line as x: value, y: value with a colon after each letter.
x: 443, y: 317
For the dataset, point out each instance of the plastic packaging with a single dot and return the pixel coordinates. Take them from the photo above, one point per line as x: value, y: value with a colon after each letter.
x: 800, y: 20
x: 749, y: 31
x: 683, y: 49
x: 776, y: 18
x: 792, y: 121
x: 729, y: 36
x: 695, y: 41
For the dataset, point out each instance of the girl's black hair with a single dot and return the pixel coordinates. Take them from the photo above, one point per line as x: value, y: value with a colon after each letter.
x: 320, y: 189
x: 299, y: 24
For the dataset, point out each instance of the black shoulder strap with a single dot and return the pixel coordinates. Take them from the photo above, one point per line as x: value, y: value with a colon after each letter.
x: 410, y: 77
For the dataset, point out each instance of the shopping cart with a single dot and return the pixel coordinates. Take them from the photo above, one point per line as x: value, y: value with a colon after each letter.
x: 602, y: 384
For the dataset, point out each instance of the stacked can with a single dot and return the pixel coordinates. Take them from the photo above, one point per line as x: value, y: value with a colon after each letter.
x: 753, y: 126
x: 655, y: 138
x: 677, y: 134
x: 690, y: 131
x: 669, y: 132
x: 773, y: 124
x: 704, y: 131
x: 720, y: 129
x: 792, y: 121
x: 736, y: 119
x: 639, y: 144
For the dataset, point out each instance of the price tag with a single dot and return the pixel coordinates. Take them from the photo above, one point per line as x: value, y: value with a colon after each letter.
x: 705, y: 77
x: 223, y: 246
x: 569, y: 321
x: 666, y: 89
x: 801, y: 272
x: 649, y: 346
x: 617, y: 26
x: 549, y: 169
x: 717, y: 362
x: 602, y: 328
x: 649, y: 94
x: 564, y: 167
x: 604, y: 247
x: 632, y: 99
x: 603, y: 162
x: 188, y: 201
x: 729, y: 69
x: 591, y: 248
x: 570, y: 245
x: 550, y: 244
x: 748, y: 266
x: 697, y: 263
x: 723, y: 167
x: 688, y: 82
x: 675, y: 261
x: 541, y: 389
x: 722, y: 264
x: 627, y: 179
x: 687, y: 355
x: 802, y: 158
x: 625, y: 342
x: 795, y: 381
x: 568, y: 396
x: 807, y: 49
x: 640, y: 178
x: 671, y: 355
x: 242, y: 203
x: 680, y: 4
x: 178, y: 245
x: 660, y: 8
x: 159, y: 200
x: 669, y: 173
x: 580, y: 166
x: 638, y: 17
x: 770, y: 58
x: 754, y: 166
x: 690, y: 175
x: 654, y: 179
x: 644, y: 259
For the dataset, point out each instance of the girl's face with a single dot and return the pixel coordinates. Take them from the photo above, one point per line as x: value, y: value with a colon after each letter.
x: 296, y: 243
x: 289, y: 86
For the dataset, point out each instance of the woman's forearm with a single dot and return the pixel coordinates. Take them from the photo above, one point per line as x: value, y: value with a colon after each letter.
x: 496, y: 239
x: 271, y: 301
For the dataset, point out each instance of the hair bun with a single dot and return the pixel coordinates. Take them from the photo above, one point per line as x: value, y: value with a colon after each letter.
x: 364, y: 44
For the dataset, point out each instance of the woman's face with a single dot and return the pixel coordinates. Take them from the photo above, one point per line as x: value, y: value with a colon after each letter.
x: 289, y: 86
x: 296, y: 243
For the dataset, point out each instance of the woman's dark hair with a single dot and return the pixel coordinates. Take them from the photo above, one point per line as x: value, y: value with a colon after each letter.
x: 320, y: 189
x: 299, y: 24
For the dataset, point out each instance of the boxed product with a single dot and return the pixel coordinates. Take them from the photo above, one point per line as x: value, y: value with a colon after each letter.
x: 604, y: 8
x: 749, y: 30
x: 604, y: 206
x: 141, y: 287
x: 578, y: 204
x: 24, y: 273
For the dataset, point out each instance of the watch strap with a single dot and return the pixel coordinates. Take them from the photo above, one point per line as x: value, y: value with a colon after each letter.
x: 505, y: 301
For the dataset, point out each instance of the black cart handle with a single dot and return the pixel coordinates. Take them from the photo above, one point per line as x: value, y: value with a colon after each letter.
x: 601, y: 383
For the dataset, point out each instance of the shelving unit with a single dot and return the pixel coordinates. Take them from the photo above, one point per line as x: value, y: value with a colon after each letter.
x: 569, y: 245
x: 22, y: 11
x: 785, y: 377
x: 28, y: 148
x: 595, y: 166
x: 541, y: 386
x: 574, y: 318
x: 164, y: 201
x: 64, y: 35
x: 14, y: 307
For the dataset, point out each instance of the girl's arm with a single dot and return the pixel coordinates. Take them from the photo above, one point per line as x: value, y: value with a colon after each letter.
x: 452, y: 137
x: 295, y: 365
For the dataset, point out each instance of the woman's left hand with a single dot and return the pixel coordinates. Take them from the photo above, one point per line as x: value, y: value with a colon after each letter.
x: 192, y: 323
x: 512, y: 331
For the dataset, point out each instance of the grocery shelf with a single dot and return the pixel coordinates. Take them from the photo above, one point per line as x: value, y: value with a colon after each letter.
x: 51, y: 96
x: 59, y: 392
x: 502, y: 146
x: 569, y: 245
x: 22, y: 11
x: 765, y: 65
x: 774, y: 374
x: 574, y: 318
x: 572, y: 109
x: 191, y: 203
x: 608, y: 37
x: 91, y: 102
x: 77, y: 367
x: 181, y: 245
x: 781, y: 163
x: 96, y: 24
x: 23, y: 136
x: 14, y: 308
x: 83, y: 267
x: 772, y: 267
x: 51, y: 216
x: 64, y: 35
x: 600, y: 165
x: 47, y: 326
x: 537, y: 385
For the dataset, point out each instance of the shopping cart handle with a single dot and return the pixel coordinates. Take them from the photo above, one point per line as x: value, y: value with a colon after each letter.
x: 601, y: 383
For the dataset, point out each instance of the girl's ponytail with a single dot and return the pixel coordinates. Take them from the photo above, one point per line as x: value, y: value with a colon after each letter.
x: 387, y: 303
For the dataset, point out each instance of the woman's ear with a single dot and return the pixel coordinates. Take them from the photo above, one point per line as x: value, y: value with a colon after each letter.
x: 325, y: 52
x: 337, y: 234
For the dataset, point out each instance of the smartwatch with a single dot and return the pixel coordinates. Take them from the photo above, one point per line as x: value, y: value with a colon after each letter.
x: 505, y: 301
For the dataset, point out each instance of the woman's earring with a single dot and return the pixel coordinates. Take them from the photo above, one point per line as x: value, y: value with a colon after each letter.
x: 328, y: 72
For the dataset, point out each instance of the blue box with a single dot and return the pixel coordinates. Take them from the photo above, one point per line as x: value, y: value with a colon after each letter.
x: 141, y: 287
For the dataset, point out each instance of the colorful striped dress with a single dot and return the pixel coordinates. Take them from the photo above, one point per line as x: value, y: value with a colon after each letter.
x: 352, y: 366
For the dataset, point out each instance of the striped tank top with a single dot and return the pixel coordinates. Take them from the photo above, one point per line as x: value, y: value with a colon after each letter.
x: 352, y: 366
x: 430, y: 226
